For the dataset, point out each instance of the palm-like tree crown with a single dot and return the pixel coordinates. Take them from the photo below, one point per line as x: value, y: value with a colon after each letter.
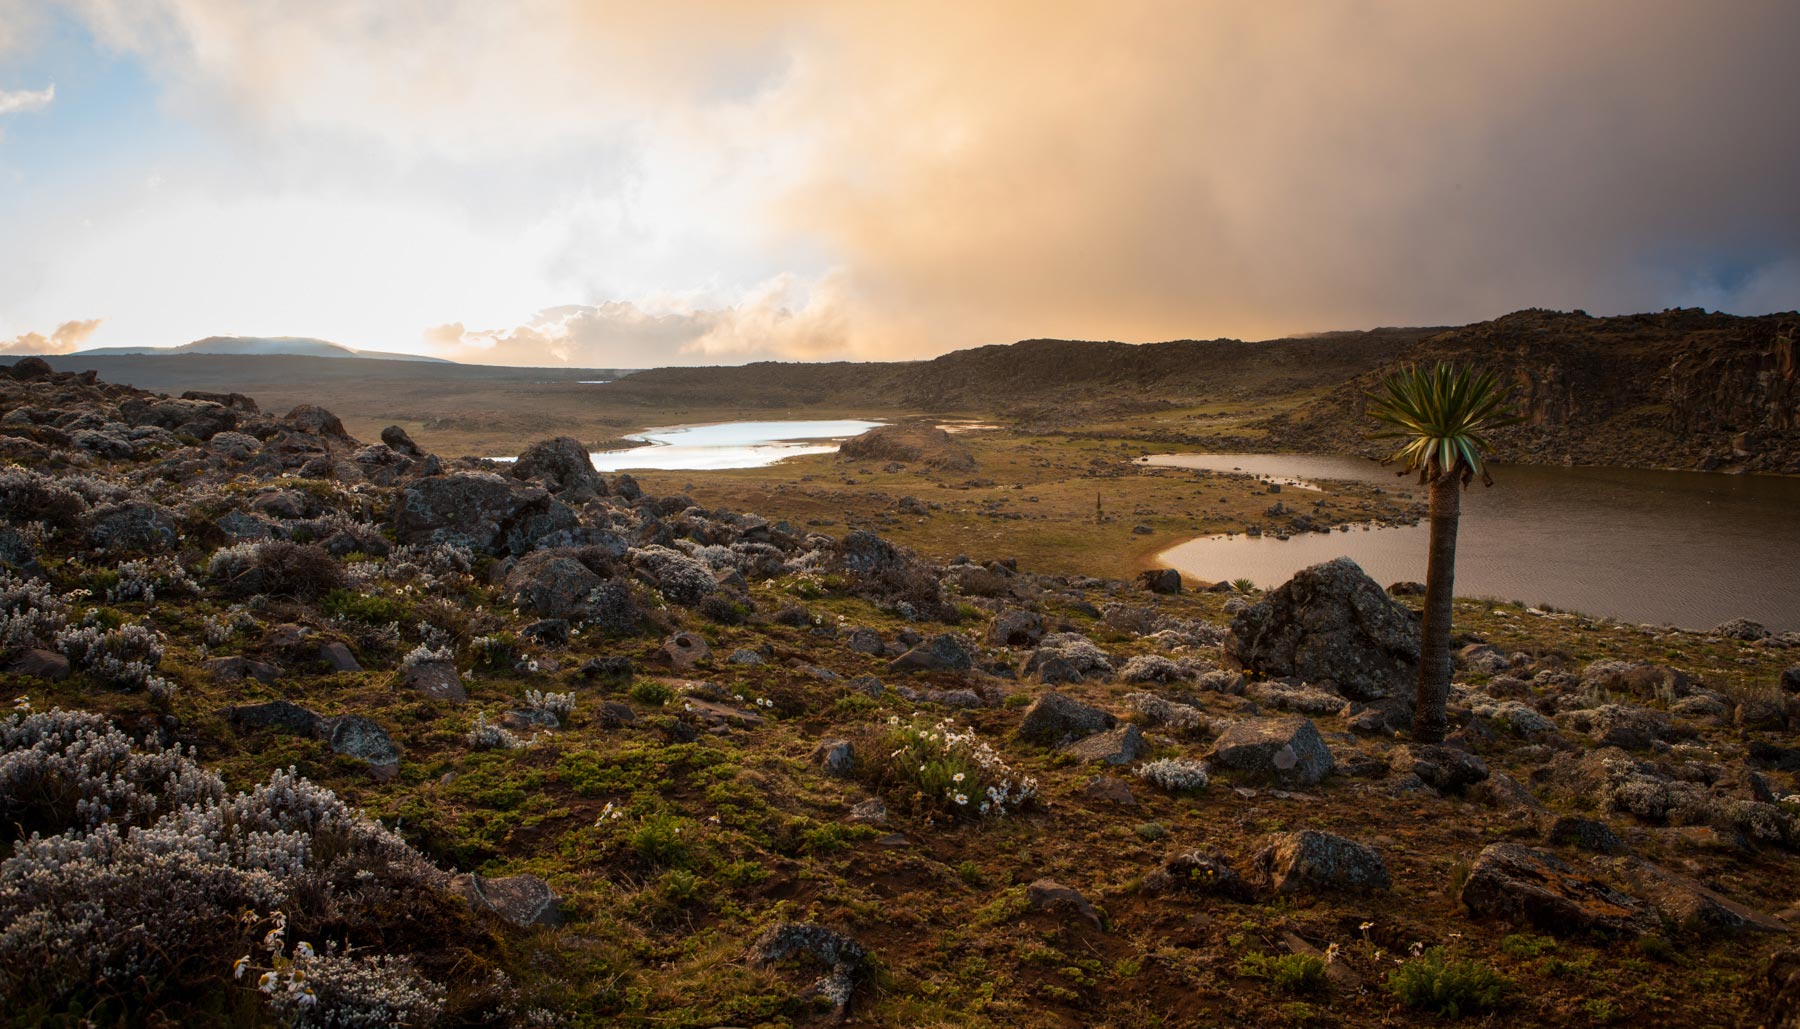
x: 1442, y: 414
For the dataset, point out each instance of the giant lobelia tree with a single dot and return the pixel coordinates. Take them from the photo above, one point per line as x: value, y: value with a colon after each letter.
x: 1441, y: 416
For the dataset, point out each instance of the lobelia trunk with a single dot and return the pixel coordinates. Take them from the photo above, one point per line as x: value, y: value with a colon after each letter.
x: 1429, y: 723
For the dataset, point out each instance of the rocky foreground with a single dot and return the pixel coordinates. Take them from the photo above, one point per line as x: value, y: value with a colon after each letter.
x: 316, y: 732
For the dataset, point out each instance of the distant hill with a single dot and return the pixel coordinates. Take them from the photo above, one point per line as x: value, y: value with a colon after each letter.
x: 258, y: 346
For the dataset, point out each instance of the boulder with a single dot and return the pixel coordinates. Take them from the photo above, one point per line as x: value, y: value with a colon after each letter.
x: 551, y: 584
x: 39, y: 664
x: 836, y: 757
x: 1584, y: 834
x: 1444, y: 769
x: 338, y: 658
x: 1054, y: 719
x: 842, y: 956
x: 1790, y: 680
x: 1694, y: 907
x: 684, y: 650
x: 29, y: 368
x: 1318, y: 861
x: 470, y: 509
x: 1017, y: 628
x: 1284, y: 750
x: 1110, y: 791
x: 399, y: 442
x: 1206, y: 872
x: 1119, y: 746
x: 133, y: 525
x: 1330, y: 625
x: 1160, y: 580
x: 276, y: 714
x: 436, y: 679
x: 946, y: 652
x: 315, y: 421
x: 523, y: 900
x: 563, y: 466
x: 354, y: 736
x: 236, y: 669
x: 1050, y: 895
x: 1536, y: 888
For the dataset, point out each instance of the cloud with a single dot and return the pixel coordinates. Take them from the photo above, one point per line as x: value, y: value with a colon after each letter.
x: 21, y: 100
x: 65, y: 338
x: 778, y: 320
x: 807, y: 180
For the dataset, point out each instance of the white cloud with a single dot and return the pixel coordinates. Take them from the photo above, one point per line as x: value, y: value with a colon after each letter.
x: 20, y: 100
x: 62, y: 339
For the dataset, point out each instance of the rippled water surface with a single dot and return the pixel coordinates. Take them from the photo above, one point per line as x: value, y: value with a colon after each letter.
x: 1682, y: 548
x: 730, y: 444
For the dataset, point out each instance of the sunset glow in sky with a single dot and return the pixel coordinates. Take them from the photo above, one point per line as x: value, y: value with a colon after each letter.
x: 632, y: 184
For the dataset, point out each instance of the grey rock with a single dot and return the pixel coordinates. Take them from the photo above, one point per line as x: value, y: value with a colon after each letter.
x: 1119, y: 746
x: 1330, y: 625
x: 1284, y: 750
x: 133, y: 525
x: 276, y: 714
x: 865, y: 641
x: 564, y: 467
x: 523, y: 900
x: 551, y: 584
x: 1694, y: 907
x: 836, y: 757
x: 357, y: 737
x: 338, y: 658
x: 845, y: 959
x: 1110, y: 791
x: 869, y: 812
x: 946, y: 652
x: 236, y: 669
x: 436, y: 679
x: 39, y: 664
x: 1054, y: 719
x: 1318, y: 861
x: 1016, y: 628
x: 1584, y: 834
x: 399, y: 442
x: 1160, y: 580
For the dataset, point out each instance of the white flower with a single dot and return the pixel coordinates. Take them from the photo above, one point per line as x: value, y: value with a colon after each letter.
x: 239, y: 966
x: 306, y: 998
x: 266, y: 983
x: 958, y: 777
x: 1331, y: 953
x: 303, y: 949
x: 961, y: 798
x: 532, y: 665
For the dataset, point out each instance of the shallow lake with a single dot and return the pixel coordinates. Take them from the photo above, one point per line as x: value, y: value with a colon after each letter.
x: 1680, y: 548
x: 729, y: 444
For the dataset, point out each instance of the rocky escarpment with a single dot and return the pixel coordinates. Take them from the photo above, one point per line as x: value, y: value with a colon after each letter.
x: 1680, y: 389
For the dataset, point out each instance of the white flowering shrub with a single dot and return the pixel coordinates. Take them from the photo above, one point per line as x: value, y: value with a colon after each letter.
x: 424, y: 653
x: 1079, y: 651
x: 1156, y: 711
x: 941, y: 768
x: 498, y: 650
x: 680, y: 578
x: 562, y: 705
x: 126, y: 657
x: 143, y: 579
x: 138, y: 866
x: 228, y: 563
x: 488, y: 736
x: 31, y: 612
x: 310, y: 988
x: 219, y: 629
x: 1174, y: 774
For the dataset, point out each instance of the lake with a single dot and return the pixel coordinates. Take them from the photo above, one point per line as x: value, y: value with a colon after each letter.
x: 729, y: 444
x: 1689, y: 549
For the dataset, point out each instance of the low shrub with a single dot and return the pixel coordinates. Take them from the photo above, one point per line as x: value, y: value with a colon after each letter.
x: 1290, y: 973
x: 1451, y: 987
x: 940, y: 768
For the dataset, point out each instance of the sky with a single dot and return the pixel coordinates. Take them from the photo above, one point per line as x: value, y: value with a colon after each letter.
x: 572, y: 182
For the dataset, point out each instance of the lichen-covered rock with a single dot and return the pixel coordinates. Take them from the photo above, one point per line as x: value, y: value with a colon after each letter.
x: 354, y: 736
x: 684, y: 650
x: 276, y: 714
x: 564, y: 467
x: 1016, y: 628
x: 134, y: 525
x: 551, y: 584
x: 436, y: 679
x: 470, y: 509
x: 1285, y: 750
x: 1067, y: 657
x: 523, y: 900
x: 1693, y: 907
x: 1054, y: 719
x: 1532, y: 887
x: 836, y: 757
x: 1330, y: 625
x: 315, y: 421
x: 845, y: 958
x: 1319, y: 861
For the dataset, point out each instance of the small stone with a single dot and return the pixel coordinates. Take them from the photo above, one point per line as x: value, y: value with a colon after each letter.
x: 523, y: 900
x: 338, y: 658
x: 869, y: 812
x: 1585, y: 834
x: 1445, y: 769
x: 236, y: 669
x: 39, y: 664
x: 1050, y: 895
x: 357, y: 737
x: 684, y: 650
x: 836, y: 757
x: 1106, y: 789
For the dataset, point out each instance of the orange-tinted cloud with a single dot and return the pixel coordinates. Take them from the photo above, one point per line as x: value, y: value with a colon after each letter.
x: 63, y: 339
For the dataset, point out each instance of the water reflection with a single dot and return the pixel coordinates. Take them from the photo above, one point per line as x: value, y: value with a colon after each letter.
x: 729, y: 444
